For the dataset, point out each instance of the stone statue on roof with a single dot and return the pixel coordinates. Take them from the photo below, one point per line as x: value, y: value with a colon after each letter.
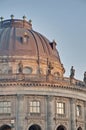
x: 72, y: 72
x: 84, y: 77
x: 20, y: 67
x: 49, y: 68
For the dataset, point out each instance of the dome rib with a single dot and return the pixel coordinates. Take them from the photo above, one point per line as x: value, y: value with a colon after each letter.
x: 40, y: 39
x: 45, y: 43
x: 1, y: 36
x: 7, y: 38
x: 36, y: 43
x: 14, y: 35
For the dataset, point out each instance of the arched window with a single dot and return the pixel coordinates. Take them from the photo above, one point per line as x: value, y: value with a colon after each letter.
x: 61, y: 127
x: 34, y: 127
x: 27, y: 70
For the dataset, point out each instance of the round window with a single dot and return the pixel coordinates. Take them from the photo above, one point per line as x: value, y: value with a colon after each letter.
x: 27, y: 70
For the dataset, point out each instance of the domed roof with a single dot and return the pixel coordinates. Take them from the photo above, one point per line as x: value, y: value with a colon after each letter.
x: 17, y: 38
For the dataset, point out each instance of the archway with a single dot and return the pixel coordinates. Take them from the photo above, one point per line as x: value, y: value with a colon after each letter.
x: 79, y: 128
x: 61, y: 127
x: 5, y: 127
x: 35, y: 127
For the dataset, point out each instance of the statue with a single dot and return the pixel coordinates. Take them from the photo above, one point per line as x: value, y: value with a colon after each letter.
x: 20, y: 69
x: 49, y: 68
x: 72, y: 72
x: 84, y: 77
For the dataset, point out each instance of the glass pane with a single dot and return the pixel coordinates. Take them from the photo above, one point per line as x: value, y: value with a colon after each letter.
x: 60, y: 105
x: 9, y: 103
x: 38, y: 109
x: 5, y: 104
x: 31, y: 110
x: 38, y: 103
x: 34, y: 103
x: 5, y: 110
x: 1, y: 104
x: 60, y: 111
x: 34, y: 109
x: 1, y: 110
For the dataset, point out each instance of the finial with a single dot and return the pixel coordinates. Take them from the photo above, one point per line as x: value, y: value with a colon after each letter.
x: 24, y: 17
x: 1, y: 18
x: 30, y: 21
x: 12, y: 16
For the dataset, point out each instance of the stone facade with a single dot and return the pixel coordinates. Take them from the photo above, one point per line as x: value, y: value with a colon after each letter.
x: 34, y: 94
x: 21, y: 93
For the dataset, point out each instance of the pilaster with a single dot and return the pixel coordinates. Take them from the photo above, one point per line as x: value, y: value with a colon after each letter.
x: 19, y: 112
x: 49, y: 113
x: 73, y: 113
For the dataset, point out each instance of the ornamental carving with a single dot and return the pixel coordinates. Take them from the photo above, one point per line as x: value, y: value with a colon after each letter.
x: 20, y: 67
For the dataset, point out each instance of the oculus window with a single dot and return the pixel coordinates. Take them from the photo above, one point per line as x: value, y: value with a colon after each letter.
x: 27, y: 70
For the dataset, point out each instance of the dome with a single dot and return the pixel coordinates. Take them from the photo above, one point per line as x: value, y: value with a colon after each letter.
x: 34, y: 94
x: 19, y: 40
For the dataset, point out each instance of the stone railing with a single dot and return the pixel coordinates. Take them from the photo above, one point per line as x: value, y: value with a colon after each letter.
x: 40, y: 78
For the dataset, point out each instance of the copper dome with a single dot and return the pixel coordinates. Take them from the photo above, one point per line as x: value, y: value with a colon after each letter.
x: 18, y: 38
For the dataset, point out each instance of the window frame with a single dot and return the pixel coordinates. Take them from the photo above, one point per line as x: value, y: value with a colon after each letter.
x: 35, y: 107
x: 60, y: 108
x: 5, y: 107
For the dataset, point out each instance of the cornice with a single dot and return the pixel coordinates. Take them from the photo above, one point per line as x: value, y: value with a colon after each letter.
x: 45, y: 85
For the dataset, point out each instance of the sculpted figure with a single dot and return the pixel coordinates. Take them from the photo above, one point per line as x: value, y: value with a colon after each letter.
x: 49, y: 68
x: 72, y: 72
x: 84, y: 77
x: 20, y: 69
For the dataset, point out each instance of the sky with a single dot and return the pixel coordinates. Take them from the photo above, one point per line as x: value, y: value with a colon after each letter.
x: 61, y: 20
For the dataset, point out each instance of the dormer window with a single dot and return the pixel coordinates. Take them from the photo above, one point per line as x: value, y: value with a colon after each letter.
x: 25, y: 38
